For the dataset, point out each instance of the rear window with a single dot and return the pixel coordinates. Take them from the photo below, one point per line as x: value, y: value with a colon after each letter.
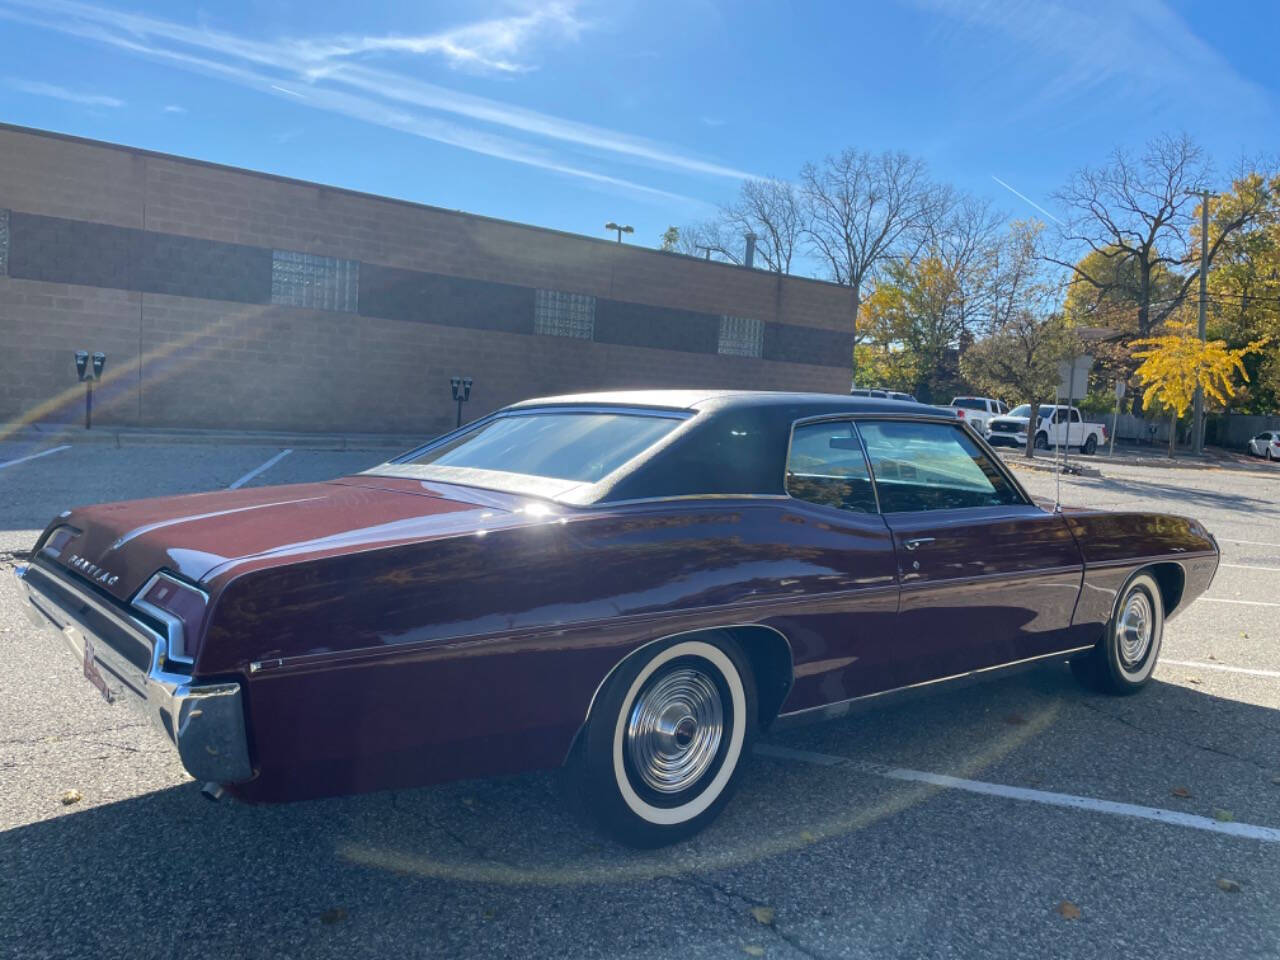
x: 969, y: 403
x: 582, y: 447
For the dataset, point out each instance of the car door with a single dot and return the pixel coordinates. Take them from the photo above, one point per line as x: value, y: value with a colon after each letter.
x: 842, y: 627
x: 986, y: 577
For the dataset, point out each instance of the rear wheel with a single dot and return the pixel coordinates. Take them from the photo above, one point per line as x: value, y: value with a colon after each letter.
x: 666, y: 740
x: 1042, y: 441
x: 1125, y: 657
x: 1090, y: 445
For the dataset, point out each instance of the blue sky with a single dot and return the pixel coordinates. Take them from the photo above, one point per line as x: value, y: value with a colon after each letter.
x: 567, y: 114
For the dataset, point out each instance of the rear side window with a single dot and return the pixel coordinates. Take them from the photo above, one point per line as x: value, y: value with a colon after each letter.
x: 826, y: 466
x: 932, y: 466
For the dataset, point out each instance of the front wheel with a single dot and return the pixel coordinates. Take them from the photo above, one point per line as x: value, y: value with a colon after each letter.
x: 1090, y: 445
x: 1042, y: 441
x: 1270, y: 455
x: 666, y: 740
x: 1125, y: 657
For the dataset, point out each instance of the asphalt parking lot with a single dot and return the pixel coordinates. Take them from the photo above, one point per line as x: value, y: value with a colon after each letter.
x: 1019, y: 817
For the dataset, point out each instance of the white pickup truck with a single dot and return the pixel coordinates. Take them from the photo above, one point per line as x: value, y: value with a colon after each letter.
x: 976, y: 411
x: 1057, y: 426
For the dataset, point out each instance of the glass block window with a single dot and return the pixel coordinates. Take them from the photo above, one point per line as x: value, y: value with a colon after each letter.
x: 307, y: 280
x: 4, y: 242
x: 560, y: 314
x: 741, y: 336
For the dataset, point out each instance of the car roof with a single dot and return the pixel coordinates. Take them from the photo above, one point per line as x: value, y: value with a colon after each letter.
x: 808, y: 404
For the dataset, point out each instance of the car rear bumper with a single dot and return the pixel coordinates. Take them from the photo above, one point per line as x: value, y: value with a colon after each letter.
x: 125, y: 660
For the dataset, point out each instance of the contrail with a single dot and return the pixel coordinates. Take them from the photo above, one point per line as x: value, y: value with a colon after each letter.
x: 1023, y: 196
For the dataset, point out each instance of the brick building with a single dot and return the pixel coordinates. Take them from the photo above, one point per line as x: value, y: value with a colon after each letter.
x: 230, y: 299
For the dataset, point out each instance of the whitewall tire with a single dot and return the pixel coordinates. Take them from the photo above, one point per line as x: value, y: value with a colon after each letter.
x: 667, y: 738
x: 1126, y: 656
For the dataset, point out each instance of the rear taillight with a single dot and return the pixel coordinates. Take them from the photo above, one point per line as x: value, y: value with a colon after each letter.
x: 181, y: 608
x: 57, y: 540
x: 960, y: 414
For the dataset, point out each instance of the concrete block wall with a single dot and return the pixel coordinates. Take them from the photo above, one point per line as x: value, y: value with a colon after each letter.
x: 166, y: 265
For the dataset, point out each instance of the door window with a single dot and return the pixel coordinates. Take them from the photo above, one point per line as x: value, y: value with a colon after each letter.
x: 932, y: 466
x: 826, y: 465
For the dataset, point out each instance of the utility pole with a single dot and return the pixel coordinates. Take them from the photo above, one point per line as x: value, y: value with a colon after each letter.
x: 1197, y: 414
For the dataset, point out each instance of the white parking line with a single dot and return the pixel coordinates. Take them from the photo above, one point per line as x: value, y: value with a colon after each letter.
x: 1247, y: 603
x: 257, y: 470
x: 1249, y: 566
x: 1068, y: 800
x: 1252, y: 543
x: 33, y: 456
x: 1200, y: 665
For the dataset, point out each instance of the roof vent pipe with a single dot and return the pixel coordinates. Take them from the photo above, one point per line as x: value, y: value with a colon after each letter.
x: 750, y: 258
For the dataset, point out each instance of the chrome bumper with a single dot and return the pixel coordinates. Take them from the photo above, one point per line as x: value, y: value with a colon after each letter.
x: 125, y: 660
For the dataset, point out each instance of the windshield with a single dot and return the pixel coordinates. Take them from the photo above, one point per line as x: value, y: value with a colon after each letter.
x: 582, y: 447
x: 1024, y: 410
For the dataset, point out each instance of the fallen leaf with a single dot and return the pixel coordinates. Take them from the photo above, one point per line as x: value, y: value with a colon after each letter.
x: 1069, y: 910
x: 468, y: 801
x: 1228, y: 886
x: 751, y: 950
x: 70, y: 797
x: 1212, y: 657
x: 1181, y: 792
x: 1223, y: 816
x: 808, y: 837
x: 1015, y: 719
x: 1196, y: 680
x: 763, y: 915
x: 333, y: 915
x: 488, y: 914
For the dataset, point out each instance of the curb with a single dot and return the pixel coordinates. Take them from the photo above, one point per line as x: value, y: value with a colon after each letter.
x: 1040, y: 466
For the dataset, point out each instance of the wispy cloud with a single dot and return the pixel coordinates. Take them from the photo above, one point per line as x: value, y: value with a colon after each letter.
x: 173, y: 108
x: 39, y: 89
x: 499, y: 44
x: 1022, y: 196
x: 336, y: 75
x: 1141, y: 50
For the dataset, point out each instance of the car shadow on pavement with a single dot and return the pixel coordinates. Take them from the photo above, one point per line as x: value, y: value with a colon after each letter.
x: 497, y: 860
x: 1174, y: 495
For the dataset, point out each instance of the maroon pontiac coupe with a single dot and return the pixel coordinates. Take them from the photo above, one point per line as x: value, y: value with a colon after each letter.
x: 630, y: 584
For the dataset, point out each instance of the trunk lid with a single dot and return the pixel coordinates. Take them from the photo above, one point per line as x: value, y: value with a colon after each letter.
x: 121, y: 545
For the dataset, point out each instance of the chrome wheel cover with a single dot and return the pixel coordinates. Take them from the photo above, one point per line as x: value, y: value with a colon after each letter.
x: 1134, y: 629
x: 675, y: 730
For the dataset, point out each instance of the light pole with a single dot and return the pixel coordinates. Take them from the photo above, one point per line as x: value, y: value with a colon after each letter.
x: 620, y: 228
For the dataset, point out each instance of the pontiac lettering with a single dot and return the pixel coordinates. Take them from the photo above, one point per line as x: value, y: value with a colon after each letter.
x: 91, y: 570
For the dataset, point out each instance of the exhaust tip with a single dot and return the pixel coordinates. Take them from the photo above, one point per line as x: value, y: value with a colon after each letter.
x: 213, y: 792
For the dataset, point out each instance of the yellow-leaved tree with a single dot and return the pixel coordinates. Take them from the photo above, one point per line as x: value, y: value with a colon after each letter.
x: 1174, y: 364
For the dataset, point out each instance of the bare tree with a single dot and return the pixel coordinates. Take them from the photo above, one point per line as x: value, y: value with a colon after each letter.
x: 862, y: 210
x: 710, y: 239
x: 770, y: 210
x: 1136, y: 218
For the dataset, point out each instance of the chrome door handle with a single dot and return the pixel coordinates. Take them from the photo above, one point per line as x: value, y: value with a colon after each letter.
x: 916, y: 541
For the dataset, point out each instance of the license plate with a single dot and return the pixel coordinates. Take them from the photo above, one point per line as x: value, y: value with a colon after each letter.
x: 93, y: 674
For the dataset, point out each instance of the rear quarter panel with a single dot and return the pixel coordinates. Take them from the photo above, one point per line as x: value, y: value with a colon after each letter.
x: 479, y: 654
x: 1116, y: 545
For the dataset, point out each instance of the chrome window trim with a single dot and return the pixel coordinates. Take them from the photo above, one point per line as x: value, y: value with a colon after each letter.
x: 176, y: 647
x: 786, y: 463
